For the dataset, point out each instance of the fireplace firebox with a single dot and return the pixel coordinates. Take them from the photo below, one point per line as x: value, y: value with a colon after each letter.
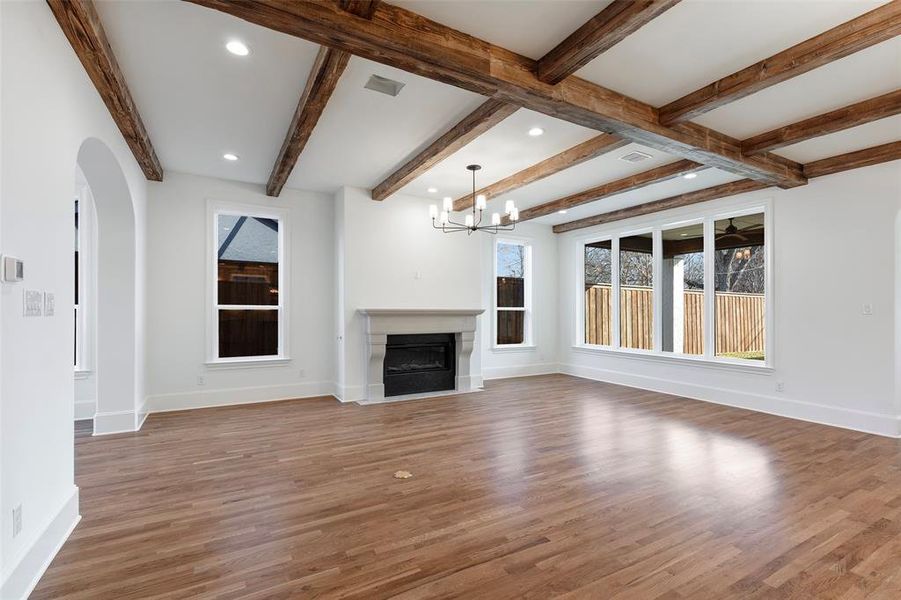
x: 419, y: 363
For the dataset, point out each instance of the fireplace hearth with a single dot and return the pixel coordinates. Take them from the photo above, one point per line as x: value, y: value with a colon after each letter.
x: 419, y: 363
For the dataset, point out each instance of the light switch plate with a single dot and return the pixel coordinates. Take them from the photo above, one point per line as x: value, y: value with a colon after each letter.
x: 34, y: 301
x: 49, y: 304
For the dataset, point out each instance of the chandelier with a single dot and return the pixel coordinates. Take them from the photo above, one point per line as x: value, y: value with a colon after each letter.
x: 473, y: 221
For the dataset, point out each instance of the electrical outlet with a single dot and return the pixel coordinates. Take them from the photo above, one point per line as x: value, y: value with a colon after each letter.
x: 867, y: 309
x: 780, y: 386
x: 17, y: 520
x: 201, y: 380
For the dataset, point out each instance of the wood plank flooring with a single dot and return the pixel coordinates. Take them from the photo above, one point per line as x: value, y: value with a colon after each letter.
x: 539, y: 487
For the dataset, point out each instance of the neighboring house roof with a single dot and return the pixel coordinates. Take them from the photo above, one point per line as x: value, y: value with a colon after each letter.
x: 248, y: 239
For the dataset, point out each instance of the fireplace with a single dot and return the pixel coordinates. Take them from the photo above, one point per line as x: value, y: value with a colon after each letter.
x: 454, y: 327
x: 419, y: 363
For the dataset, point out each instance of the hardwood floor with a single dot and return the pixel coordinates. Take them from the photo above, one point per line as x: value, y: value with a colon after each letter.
x: 538, y: 487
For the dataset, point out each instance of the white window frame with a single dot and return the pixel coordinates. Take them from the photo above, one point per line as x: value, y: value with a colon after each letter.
x: 657, y: 224
x: 79, y: 308
x: 527, y: 293
x: 658, y: 265
x: 214, y: 211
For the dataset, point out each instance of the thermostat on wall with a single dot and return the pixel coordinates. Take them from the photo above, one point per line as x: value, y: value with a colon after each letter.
x: 13, y: 269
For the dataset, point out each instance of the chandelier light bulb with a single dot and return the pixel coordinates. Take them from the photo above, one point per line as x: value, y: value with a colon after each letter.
x: 514, y: 214
x: 448, y: 204
x: 433, y: 211
x: 469, y: 220
x: 495, y: 218
x: 443, y: 218
x: 509, y: 206
x: 481, y: 201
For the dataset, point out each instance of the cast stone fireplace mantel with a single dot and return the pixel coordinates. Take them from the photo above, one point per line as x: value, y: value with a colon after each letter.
x: 382, y: 322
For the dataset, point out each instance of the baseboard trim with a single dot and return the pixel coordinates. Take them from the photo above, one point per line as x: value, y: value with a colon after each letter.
x: 349, y: 393
x: 34, y: 562
x: 85, y: 410
x: 109, y: 423
x: 855, y: 420
x: 519, y: 371
x: 230, y: 397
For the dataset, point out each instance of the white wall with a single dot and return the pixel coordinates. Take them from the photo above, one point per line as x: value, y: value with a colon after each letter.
x: 834, y: 249
x: 394, y: 259
x: 542, y: 356
x: 49, y: 107
x: 177, y: 294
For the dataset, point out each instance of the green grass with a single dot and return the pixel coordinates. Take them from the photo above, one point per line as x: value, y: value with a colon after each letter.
x: 744, y: 355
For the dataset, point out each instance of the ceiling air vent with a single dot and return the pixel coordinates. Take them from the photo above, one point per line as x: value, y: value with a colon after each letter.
x: 634, y: 157
x: 384, y: 85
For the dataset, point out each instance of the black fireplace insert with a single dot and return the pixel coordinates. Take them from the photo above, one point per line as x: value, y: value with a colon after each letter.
x: 420, y: 363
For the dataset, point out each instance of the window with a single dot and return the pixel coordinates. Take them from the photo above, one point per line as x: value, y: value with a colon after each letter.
x: 599, y: 293
x: 248, y: 289
x: 682, y: 289
x: 740, y: 280
x: 78, y: 326
x: 512, y: 293
x: 636, y: 291
x: 696, y: 288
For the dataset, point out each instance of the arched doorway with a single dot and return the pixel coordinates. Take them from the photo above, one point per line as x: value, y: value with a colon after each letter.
x: 115, y: 286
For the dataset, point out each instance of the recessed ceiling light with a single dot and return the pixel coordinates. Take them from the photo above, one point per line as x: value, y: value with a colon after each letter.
x: 690, y: 175
x: 561, y: 212
x: 536, y: 131
x: 230, y: 156
x: 432, y: 190
x: 237, y: 48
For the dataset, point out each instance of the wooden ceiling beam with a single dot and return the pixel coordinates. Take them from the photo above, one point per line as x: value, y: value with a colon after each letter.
x: 405, y: 40
x: 486, y: 116
x: 609, y: 27
x: 361, y: 8
x: 878, y: 25
x: 81, y: 25
x: 321, y: 83
x: 827, y: 166
x: 854, y: 160
x: 867, y: 111
x: 712, y: 193
x: 619, y: 186
x: 593, y: 148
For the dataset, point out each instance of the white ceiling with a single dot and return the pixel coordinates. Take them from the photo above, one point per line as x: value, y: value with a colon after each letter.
x: 865, y: 74
x: 363, y: 136
x: 503, y: 150
x: 699, y: 41
x: 198, y: 101
x: 529, y: 27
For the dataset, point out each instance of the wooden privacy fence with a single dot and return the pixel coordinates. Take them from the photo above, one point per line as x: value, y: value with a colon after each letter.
x: 739, y: 320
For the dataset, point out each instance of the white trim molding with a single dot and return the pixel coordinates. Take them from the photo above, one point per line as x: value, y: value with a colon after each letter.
x: 233, y: 396
x: 857, y: 420
x: 108, y: 423
x: 489, y: 373
x: 25, y: 572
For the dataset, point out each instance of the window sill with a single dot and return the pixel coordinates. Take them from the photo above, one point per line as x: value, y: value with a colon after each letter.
x: 82, y: 373
x: 247, y: 363
x: 515, y: 348
x: 676, y: 359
